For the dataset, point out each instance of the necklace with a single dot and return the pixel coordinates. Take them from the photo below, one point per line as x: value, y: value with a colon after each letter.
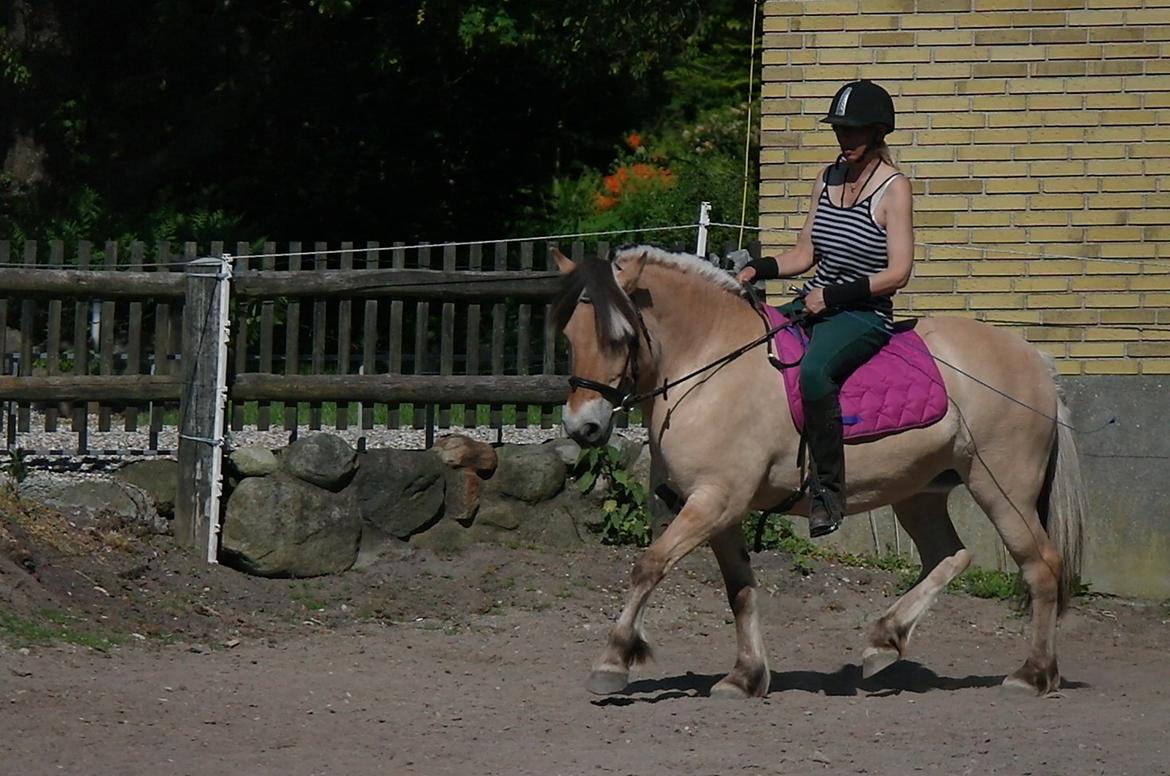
x: 853, y: 185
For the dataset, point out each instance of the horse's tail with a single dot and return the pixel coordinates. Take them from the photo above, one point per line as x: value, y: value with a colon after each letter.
x: 1062, y: 500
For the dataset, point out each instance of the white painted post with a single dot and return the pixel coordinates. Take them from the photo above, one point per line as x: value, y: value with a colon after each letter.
x: 704, y: 222
x: 201, y: 432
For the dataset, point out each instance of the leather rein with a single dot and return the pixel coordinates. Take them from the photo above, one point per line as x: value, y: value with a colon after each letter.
x: 625, y: 400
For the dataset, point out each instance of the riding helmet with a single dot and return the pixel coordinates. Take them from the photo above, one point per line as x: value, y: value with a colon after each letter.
x: 861, y: 104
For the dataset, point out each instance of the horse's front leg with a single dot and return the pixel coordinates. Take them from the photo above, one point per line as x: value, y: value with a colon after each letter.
x: 750, y: 677
x: 703, y: 515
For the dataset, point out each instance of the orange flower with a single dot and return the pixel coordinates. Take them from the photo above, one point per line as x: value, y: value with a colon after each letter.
x: 634, y: 141
x: 604, y: 202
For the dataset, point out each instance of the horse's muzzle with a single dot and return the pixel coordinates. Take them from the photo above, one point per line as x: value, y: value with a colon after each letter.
x: 591, y: 425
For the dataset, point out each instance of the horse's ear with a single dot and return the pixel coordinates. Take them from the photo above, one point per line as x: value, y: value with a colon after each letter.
x: 628, y: 270
x: 564, y: 263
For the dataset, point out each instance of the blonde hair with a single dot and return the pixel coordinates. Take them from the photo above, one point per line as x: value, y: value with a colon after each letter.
x: 883, y: 152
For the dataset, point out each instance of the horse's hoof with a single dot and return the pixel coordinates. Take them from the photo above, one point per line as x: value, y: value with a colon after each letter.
x: 877, y: 659
x: 1014, y: 685
x: 602, y: 682
x: 729, y: 690
x: 1033, y: 680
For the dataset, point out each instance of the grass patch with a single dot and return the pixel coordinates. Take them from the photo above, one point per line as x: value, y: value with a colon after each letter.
x: 780, y: 535
x: 984, y: 583
x: 50, y: 626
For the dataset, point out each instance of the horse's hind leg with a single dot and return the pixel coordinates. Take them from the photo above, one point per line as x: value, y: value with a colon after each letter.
x: 926, y: 520
x: 700, y: 518
x: 1011, y: 505
x: 749, y: 677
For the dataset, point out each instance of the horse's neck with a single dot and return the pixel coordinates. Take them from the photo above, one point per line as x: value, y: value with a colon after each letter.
x: 693, y: 321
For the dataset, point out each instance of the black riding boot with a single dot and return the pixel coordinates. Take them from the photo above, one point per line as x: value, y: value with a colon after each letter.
x: 824, y: 435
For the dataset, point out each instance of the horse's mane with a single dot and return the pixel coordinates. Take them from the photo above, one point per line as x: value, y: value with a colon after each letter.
x: 683, y: 262
x: 615, y: 314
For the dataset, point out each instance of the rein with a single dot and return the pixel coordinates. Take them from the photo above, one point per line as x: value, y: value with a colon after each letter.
x: 624, y: 401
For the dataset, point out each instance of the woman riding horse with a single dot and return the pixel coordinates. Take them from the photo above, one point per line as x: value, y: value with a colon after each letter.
x: 860, y: 235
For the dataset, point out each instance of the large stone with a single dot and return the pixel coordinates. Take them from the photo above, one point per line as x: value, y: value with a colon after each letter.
x: 254, y: 461
x: 158, y: 478
x: 280, y: 526
x: 399, y: 492
x: 530, y: 473
x: 86, y: 501
x: 461, y: 452
x: 567, y: 449
x: 324, y: 460
x: 560, y: 522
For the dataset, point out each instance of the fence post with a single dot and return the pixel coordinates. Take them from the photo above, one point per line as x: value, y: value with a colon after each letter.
x: 201, y: 407
x: 704, y: 221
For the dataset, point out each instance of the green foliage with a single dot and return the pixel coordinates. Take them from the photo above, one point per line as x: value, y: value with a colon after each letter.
x: 13, y: 69
x: 625, y: 518
x: 985, y: 583
x: 16, y: 467
x: 50, y: 626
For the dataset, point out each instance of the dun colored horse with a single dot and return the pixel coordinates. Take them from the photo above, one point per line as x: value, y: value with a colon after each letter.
x: 724, y: 440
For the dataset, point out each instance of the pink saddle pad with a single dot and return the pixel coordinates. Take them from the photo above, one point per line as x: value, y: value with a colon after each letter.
x: 898, y: 389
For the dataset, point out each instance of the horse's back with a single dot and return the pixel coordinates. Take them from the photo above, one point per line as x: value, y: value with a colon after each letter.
x: 991, y: 371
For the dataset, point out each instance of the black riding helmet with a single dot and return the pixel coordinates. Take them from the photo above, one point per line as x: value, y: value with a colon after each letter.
x: 861, y: 104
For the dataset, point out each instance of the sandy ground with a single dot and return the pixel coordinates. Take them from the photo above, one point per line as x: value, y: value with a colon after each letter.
x: 476, y: 664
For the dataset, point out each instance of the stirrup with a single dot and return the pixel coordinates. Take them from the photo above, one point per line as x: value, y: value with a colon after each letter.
x: 821, y: 519
x: 823, y: 525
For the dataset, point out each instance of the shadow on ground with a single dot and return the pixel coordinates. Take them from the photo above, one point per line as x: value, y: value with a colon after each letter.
x: 904, y: 676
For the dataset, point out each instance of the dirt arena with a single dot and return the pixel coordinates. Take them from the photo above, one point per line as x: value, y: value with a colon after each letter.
x: 475, y: 664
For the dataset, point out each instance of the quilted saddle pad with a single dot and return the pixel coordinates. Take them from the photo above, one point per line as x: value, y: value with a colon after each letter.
x: 898, y: 389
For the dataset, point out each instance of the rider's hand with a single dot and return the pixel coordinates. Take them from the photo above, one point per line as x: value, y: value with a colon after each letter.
x: 746, y: 274
x: 814, y: 301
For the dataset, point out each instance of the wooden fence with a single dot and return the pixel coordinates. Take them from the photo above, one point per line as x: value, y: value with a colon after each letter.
x: 322, y: 335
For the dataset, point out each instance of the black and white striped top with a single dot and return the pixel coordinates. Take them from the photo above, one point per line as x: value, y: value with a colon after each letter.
x: 849, y: 244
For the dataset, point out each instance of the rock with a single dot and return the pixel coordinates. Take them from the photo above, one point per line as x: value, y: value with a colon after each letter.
x: 280, y: 526
x: 461, y: 502
x: 560, y: 522
x: 567, y: 449
x: 158, y: 478
x: 84, y: 501
x: 629, y: 450
x: 557, y: 524
x: 399, y: 492
x: 377, y: 546
x: 324, y: 460
x: 461, y: 452
x: 253, y: 461
x: 530, y: 473
x: 639, y: 467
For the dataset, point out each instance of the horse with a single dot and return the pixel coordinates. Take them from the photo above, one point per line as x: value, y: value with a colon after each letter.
x: 723, y: 440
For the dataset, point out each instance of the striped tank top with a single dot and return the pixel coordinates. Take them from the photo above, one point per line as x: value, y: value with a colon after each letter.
x: 848, y: 245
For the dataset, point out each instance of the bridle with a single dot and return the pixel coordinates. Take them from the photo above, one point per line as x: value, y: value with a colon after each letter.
x: 622, y: 399
x: 625, y: 400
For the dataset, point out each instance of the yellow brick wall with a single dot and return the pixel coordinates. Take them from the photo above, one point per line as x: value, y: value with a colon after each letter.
x: 1037, y: 137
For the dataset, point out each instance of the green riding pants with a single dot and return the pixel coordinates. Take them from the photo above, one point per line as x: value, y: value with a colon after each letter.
x: 840, y: 342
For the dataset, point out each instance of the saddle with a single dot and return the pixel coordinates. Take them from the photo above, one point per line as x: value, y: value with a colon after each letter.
x: 899, y: 388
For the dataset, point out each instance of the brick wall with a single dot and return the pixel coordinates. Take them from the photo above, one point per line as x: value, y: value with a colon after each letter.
x: 1037, y: 137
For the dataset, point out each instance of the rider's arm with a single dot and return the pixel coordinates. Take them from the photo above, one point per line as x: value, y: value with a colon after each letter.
x: 899, y: 212
x: 797, y: 259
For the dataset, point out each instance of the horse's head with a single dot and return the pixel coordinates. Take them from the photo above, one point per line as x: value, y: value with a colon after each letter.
x: 606, y: 337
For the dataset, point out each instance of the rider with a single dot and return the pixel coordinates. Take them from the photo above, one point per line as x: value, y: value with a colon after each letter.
x: 860, y: 235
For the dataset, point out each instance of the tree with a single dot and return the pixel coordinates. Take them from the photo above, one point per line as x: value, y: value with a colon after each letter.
x: 325, y: 119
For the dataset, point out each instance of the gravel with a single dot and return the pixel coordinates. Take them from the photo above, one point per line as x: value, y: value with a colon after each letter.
x: 110, y: 449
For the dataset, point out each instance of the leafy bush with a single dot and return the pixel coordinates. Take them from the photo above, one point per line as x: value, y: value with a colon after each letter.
x: 660, y: 179
x: 625, y: 518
